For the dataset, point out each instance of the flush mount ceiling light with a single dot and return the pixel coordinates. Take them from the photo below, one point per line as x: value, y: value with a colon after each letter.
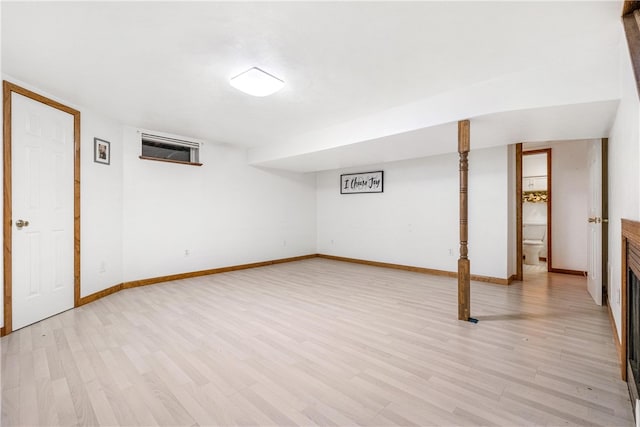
x: 256, y: 82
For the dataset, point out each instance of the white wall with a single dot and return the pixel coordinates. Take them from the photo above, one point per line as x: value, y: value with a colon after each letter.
x: 101, y: 206
x: 488, y: 211
x: 223, y: 213
x: 569, y: 205
x: 415, y: 221
x: 624, y: 179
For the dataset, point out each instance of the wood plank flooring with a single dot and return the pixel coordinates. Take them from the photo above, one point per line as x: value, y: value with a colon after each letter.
x: 529, y: 270
x: 320, y: 342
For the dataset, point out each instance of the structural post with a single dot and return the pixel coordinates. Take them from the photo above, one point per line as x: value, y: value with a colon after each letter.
x: 464, y: 266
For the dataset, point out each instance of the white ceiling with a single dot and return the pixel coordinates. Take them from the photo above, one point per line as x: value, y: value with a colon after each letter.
x: 165, y: 65
x: 568, y: 122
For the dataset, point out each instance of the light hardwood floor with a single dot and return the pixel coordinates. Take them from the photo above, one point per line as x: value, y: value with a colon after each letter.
x: 529, y: 270
x: 320, y: 342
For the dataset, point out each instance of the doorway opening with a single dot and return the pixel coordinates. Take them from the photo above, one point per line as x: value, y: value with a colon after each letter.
x: 536, y: 211
x: 576, y: 211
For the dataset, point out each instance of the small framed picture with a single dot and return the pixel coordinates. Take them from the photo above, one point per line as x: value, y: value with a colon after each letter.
x: 101, y: 151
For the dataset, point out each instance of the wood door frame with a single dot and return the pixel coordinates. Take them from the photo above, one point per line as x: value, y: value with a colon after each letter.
x: 7, y: 89
x: 519, y: 275
x: 520, y: 153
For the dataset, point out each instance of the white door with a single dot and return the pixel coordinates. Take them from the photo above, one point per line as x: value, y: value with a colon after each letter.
x: 594, y: 277
x: 42, y: 197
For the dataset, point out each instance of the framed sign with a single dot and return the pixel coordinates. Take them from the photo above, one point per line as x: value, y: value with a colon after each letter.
x: 364, y: 182
x: 101, y: 151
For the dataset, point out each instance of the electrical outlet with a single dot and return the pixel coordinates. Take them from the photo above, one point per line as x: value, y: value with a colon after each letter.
x: 103, y: 267
x: 284, y: 243
x: 186, y: 252
x: 450, y: 252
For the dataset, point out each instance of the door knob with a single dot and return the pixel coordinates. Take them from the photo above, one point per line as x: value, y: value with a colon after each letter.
x: 21, y: 223
x: 595, y: 219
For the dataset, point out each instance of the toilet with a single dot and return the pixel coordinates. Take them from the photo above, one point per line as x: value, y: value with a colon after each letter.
x: 533, y: 242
